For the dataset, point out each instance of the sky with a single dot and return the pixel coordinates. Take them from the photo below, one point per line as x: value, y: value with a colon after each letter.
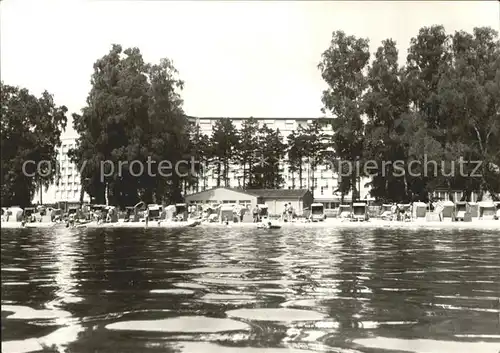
x: 237, y: 58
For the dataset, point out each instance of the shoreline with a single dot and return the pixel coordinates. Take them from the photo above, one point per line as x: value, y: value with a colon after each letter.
x: 329, y: 223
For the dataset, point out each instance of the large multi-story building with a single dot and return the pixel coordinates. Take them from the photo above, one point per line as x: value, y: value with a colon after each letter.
x: 66, y: 187
x: 323, y: 181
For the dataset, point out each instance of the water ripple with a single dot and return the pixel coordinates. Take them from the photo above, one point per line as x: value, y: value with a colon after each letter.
x: 239, y: 290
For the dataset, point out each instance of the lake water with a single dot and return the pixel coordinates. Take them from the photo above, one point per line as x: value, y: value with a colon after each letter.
x: 244, y: 290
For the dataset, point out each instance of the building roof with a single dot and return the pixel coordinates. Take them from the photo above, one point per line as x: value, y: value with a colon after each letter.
x: 241, y: 191
x: 266, y: 193
x: 278, y: 193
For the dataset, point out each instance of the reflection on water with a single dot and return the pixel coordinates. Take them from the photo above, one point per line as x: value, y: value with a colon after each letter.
x: 244, y: 290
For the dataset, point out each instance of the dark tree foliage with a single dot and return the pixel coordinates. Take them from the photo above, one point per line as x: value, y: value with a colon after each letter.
x: 454, y: 84
x: 224, y: 143
x: 386, y: 101
x: 437, y: 113
x: 133, y: 121
x: 314, y: 144
x: 267, y: 170
x: 469, y: 98
x: 31, y: 129
x: 199, y: 150
x: 343, y: 67
x: 442, y: 106
x: 296, y: 154
x: 248, y: 145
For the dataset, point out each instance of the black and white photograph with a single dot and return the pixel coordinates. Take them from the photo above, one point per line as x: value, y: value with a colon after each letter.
x: 250, y: 176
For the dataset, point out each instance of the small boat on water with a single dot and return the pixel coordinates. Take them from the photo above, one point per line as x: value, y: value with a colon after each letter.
x: 268, y: 225
x: 265, y: 220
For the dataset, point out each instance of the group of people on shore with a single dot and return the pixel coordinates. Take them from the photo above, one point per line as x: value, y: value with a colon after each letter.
x: 399, y: 213
x: 287, y: 214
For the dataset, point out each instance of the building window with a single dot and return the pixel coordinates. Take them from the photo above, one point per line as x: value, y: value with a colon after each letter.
x: 245, y: 203
x: 322, y: 192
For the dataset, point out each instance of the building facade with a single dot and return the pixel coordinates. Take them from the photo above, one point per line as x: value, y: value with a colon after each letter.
x: 67, y: 186
x: 323, y: 180
x: 275, y: 200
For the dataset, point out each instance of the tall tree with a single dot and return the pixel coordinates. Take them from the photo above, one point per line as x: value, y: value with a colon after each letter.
x: 247, y: 146
x: 386, y: 101
x: 428, y: 60
x: 343, y: 68
x: 469, y: 100
x: 428, y: 57
x: 31, y: 132
x: 224, y: 142
x: 199, y: 151
x: 271, y: 152
x: 133, y: 118
x: 170, y: 134
x: 295, y: 153
x: 314, y: 144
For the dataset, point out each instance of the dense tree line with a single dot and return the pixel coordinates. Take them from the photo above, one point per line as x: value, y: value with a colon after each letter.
x: 133, y: 118
x: 258, y: 153
x: 442, y: 105
x: 31, y: 129
x: 134, y: 112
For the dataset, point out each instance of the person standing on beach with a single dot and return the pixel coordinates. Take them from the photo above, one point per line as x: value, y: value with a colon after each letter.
x: 255, y: 214
x: 290, y: 212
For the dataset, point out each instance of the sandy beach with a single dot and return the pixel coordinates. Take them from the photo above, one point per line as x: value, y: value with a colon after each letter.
x: 329, y: 223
